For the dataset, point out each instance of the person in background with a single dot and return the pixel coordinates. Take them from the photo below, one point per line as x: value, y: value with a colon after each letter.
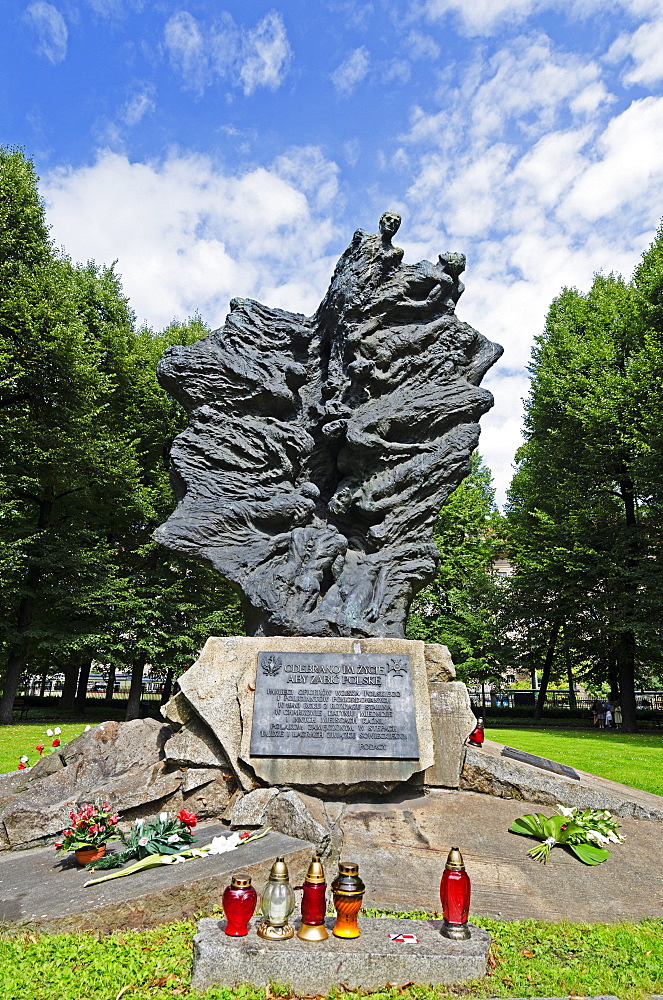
x: 609, y: 707
x: 617, y: 712
x: 595, y: 709
x: 601, y: 715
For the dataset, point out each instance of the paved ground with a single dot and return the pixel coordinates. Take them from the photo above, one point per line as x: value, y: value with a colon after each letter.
x: 46, y: 890
x: 401, y: 847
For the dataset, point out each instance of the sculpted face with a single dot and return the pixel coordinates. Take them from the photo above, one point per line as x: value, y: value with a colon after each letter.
x: 389, y: 223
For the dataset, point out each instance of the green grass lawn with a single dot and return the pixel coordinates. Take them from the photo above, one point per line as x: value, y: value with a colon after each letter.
x: 21, y: 739
x: 634, y: 760
x: 528, y: 959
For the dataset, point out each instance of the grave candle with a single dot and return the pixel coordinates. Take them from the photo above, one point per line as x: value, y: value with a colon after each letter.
x: 455, y: 889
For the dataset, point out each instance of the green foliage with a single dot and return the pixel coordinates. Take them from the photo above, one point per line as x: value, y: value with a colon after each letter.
x: 83, y: 480
x: 530, y: 957
x: 459, y: 609
x: 585, y: 515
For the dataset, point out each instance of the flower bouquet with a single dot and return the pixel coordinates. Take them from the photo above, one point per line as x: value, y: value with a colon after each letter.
x: 164, y: 835
x: 91, y: 829
x: 585, y: 832
x: 218, y: 845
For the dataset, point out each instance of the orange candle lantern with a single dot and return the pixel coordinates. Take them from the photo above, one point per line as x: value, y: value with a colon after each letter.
x: 348, y: 891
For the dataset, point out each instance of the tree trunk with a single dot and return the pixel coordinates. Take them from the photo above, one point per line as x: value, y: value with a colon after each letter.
x: 18, y: 649
x: 625, y: 650
x: 80, y: 702
x: 167, y: 687
x: 573, y: 701
x: 547, y: 667
x: 626, y: 667
x: 613, y: 675
x: 71, y: 668
x: 18, y: 652
x: 42, y: 686
x: 135, y: 690
x: 110, y: 683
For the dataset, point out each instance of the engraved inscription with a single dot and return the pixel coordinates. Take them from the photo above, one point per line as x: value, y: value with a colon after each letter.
x: 334, y: 705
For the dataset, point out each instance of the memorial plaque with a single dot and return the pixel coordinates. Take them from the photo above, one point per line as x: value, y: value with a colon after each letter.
x: 542, y: 762
x: 334, y: 705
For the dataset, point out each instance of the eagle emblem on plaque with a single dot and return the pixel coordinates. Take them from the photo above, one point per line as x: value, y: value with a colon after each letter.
x: 271, y: 665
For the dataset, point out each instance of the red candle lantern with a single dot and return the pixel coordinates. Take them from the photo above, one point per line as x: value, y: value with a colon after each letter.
x: 239, y: 903
x: 314, y: 904
x: 455, y: 889
x: 476, y: 737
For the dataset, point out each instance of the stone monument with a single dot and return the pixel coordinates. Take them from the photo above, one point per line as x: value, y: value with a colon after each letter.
x: 320, y: 449
x: 318, y: 454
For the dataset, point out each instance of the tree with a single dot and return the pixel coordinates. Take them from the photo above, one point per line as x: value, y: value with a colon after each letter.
x: 459, y: 609
x: 83, y: 480
x: 583, y: 518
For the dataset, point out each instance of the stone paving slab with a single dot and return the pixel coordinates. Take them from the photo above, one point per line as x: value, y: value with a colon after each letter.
x: 401, y: 845
x: 368, y: 962
x: 45, y: 891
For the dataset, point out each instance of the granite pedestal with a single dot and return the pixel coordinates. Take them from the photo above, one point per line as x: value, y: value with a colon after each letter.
x: 368, y: 962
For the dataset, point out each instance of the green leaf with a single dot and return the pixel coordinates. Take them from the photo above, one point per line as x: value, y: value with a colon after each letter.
x: 589, y: 854
x: 527, y: 825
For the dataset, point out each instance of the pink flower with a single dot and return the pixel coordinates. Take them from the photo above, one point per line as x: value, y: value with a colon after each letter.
x: 40, y: 749
x: 94, y: 828
x: 143, y: 841
x: 243, y: 836
x: 58, y: 844
x: 55, y: 743
x: 21, y: 766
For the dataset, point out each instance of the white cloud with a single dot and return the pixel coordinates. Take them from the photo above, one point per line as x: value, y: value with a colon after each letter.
x: 643, y: 47
x: 51, y: 30
x: 395, y: 71
x: 138, y: 106
x: 266, y: 54
x: 487, y: 17
x: 186, y: 46
x: 421, y: 46
x: 351, y: 71
x: 628, y: 165
x: 246, y: 58
x: 524, y: 166
x: 188, y: 237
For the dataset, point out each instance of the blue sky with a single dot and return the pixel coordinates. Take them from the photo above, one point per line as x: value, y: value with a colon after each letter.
x: 217, y: 149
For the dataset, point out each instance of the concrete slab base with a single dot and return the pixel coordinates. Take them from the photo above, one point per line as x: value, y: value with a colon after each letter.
x: 368, y: 962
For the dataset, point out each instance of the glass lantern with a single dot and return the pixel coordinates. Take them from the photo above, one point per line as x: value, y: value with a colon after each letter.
x: 277, y: 903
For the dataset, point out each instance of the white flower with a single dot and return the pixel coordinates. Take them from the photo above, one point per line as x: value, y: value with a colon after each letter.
x: 565, y: 811
x: 57, y: 730
x: 163, y: 817
x: 173, y: 839
x: 138, y: 822
x: 24, y: 760
x: 49, y: 732
x: 597, y: 837
x: 220, y: 845
x: 143, y: 841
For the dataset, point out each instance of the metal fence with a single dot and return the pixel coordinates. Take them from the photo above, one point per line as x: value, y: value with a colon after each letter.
x: 559, y: 699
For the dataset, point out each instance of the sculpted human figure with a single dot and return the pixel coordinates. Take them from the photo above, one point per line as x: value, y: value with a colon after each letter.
x: 320, y: 449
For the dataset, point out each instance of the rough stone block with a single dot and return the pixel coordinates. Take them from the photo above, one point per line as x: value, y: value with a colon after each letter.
x: 452, y: 719
x: 367, y: 962
x: 439, y: 665
x: 485, y: 770
x: 195, y: 746
x: 177, y: 711
x: 251, y: 809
